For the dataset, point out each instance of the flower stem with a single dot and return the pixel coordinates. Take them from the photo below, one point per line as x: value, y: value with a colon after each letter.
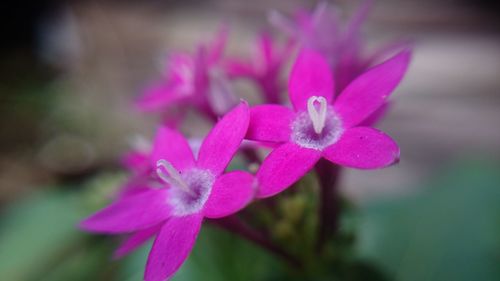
x: 329, y: 208
x: 251, y: 155
x: 235, y: 225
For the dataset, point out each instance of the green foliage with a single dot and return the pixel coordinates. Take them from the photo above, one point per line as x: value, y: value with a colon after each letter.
x: 449, y: 232
x: 36, y: 233
x: 217, y: 256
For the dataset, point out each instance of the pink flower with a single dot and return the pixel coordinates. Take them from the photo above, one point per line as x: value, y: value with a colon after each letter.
x: 340, y: 43
x: 265, y: 67
x: 194, y: 189
x: 320, y: 126
x: 197, y: 81
x: 137, y: 159
x: 318, y: 30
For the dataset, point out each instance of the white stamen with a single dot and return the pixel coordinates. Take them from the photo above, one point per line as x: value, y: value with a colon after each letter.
x: 318, y: 118
x: 170, y: 175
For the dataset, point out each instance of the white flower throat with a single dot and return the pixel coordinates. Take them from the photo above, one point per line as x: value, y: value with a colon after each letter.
x: 316, y: 127
x: 188, y: 190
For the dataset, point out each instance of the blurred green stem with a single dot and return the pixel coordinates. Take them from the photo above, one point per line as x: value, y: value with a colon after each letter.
x: 237, y: 226
x: 329, y: 208
x: 251, y: 155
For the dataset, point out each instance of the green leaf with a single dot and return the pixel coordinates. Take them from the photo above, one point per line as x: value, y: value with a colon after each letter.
x: 451, y: 231
x: 36, y: 232
x: 217, y: 256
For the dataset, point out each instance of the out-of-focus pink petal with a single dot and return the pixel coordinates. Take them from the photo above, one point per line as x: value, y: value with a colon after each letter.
x: 217, y: 46
x: 386, y: 51
x: 237, y: 68
x: 349, y: 66
x: 172, y: 246
x: 324, y: 32
x: 283, y: 23
x: 221, y: 95
x: 266, y: 47
x: 363, y: 148
x: 135, y: 240
x: 174, y: 116
x: 270, y: 123
x: 304, y: 20
x: 224, y: 139
x: 173, y: 147
x: 311, y: 76
x: 286, y: 51
x: 324, y: 14
x: 201, y: 79
x: 135, y: 161
x: 131, y: 213
x: 157, y: 96
x: 370, y: 90
x: 283, y: 167
x: 231, y: 192
x: 355, y: 23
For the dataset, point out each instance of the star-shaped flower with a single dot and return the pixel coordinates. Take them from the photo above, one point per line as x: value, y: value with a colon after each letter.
x: 194, y: 80
x: 193, y: 189
x: 341, y: 43
x: 264, y: 67
x: 320, y: 126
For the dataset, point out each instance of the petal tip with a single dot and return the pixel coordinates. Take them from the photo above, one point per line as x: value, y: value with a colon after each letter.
x: 244, y: 103
x: 397, y: 157
x: 87, y: 225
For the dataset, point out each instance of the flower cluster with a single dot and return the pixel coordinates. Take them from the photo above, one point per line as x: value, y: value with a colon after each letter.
x: 334, y: 94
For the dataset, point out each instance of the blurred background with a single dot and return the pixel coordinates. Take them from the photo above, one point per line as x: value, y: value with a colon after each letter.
x: 69, y: 71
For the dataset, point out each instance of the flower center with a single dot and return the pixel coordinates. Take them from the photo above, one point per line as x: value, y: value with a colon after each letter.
x: 189, y: 190
x: 318, y: 127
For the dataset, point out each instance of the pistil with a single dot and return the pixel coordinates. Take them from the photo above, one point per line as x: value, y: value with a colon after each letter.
x: 170, y: 175
x: 318, y: 117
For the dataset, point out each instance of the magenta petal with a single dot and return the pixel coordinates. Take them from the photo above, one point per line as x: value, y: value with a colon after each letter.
x: 231, y: 192
x: 357, y: 21
x: 135, y: 161
x: 283, y: 24
x: 363, y: 148
x: 283, y: 167
x: 270, y: 123
x: 217, y: 46
x: 133, y: 187
x: 237, y: 68
x: 172, y: 146
x: 135, y: 240
x: 266, y: 48
x: 131, y: 213
x: 172, y: 246
x: 370, y: 90
x: 201, y: 78
x: 224, y: 139
x: 311, y: 76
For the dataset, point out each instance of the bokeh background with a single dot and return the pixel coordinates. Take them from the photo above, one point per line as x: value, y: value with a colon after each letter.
x: 69, y: 71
